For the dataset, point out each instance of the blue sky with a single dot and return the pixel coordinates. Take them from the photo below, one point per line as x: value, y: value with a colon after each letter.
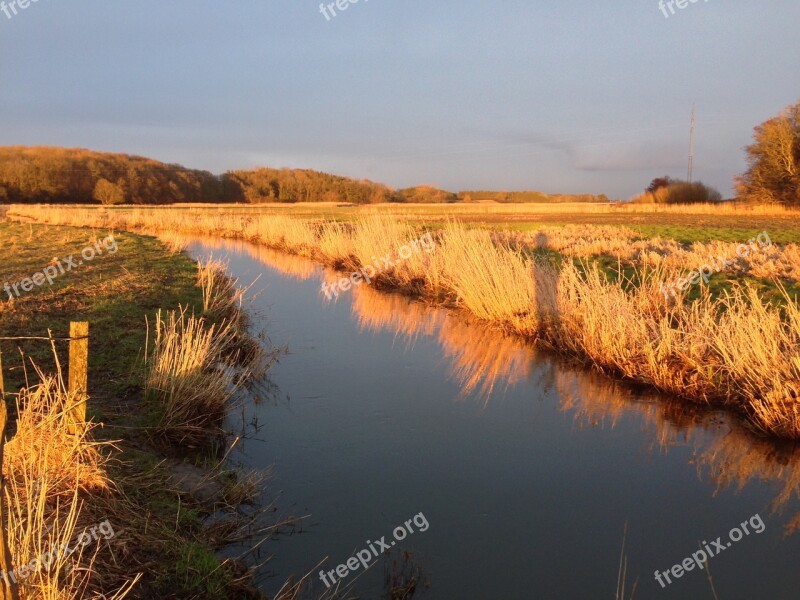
x: 565, y: 96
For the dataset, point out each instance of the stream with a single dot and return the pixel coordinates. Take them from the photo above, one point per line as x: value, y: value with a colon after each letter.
x: 510, y: 473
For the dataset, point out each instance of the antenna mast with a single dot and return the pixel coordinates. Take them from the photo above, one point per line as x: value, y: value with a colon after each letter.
x: 691, y: 146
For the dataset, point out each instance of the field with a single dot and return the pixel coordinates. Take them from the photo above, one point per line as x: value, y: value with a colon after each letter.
x: 685, y: 224
x: 546, y: 273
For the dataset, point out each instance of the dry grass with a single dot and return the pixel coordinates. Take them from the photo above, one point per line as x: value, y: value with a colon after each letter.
x: 174, y: 242
x: 198, y: 364
x: 51, y: 465
x: 477, y: 208
x: 736, y: 350
x: 584, y: 241
x: 478, y: 272
x: 223, y: 297
x: 189, y: 374
x: 338, y: 244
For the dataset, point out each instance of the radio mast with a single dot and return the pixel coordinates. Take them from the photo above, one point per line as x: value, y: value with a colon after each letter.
x: 691, y: 146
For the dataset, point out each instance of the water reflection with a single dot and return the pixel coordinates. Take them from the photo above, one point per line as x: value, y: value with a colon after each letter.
x: 287, y: 264
x: 486, y: 362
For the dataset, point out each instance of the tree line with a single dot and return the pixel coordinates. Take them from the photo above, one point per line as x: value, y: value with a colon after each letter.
x: 52, y: 175
x: 77, y: 176
x: 63, y: 175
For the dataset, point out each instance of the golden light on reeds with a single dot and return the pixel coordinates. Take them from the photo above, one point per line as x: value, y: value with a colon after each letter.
x: 737, y: 350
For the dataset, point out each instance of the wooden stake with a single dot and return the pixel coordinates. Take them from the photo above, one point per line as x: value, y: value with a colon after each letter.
x: 8, y: 585
x: 79, y: 368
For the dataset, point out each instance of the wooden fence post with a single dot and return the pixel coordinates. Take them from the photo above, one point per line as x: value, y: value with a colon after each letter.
x: 79, y: 368
x: 8, y: 584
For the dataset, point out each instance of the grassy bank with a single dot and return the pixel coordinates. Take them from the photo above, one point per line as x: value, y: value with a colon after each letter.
x: 148, y: 464
x: 736, y: 350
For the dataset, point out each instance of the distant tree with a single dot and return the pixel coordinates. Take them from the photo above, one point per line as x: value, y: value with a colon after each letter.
x: 426, y: 194
x: 380, y: 195
x: 774, y: 161
x: 106, y: 192
x: 658, y: 183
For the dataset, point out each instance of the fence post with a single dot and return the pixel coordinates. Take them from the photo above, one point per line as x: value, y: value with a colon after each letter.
x: 8, y: 584
x: 79, y: 368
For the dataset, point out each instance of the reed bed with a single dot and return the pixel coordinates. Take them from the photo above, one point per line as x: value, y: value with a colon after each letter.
x: 478, y: 272
x: 223, y: 297
x: 333, y: 242
x: 736, y: 350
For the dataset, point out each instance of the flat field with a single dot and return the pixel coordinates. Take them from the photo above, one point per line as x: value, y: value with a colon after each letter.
x: 684, y: 224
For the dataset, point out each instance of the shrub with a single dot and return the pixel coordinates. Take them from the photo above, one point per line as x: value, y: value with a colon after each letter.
x: 671, y: 191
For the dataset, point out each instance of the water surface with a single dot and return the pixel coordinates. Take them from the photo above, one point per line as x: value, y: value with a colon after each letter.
x: 526, y: 469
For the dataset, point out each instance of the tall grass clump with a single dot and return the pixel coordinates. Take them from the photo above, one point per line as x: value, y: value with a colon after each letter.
x: 51, y: 465
x: 223, y: 298
x: 284, y: 233
x: 196, y: 365
x: 190, y: 374
x: 492, y: 281
x: 737, y: 350
x: 759, y: 348
x: 224, y: 302
x: 334, y: 245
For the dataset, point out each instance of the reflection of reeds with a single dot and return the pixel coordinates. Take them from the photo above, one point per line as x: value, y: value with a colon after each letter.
x: 392, y: 312
x: 287, y: 264
x: 403, y: 577
x: 736, y: 459
x: 597, y: 401
x: 480, y: 358
x: 732, y: 459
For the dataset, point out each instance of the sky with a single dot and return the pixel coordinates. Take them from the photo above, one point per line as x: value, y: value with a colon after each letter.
x: 564, y: 96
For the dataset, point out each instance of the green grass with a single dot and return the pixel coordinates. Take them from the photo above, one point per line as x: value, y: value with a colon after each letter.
x: 114, y: 292
x: 779, y: 231
x: 198, y: 572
